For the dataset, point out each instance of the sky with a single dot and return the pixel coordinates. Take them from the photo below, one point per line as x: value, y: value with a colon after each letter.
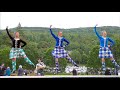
x: 59, y: 19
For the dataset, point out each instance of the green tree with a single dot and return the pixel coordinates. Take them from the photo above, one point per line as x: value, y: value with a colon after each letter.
x: 93, y: 60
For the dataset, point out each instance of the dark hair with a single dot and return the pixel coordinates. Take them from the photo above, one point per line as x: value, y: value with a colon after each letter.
x: 40, y: 59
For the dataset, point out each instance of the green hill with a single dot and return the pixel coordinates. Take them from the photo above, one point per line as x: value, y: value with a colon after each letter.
x: 84, y: 45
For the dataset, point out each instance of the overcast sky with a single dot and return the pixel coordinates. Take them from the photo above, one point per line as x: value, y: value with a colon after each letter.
x: 59, y: 19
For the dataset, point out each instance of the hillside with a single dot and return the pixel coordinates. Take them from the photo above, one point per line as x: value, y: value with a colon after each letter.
x: 84, y: 45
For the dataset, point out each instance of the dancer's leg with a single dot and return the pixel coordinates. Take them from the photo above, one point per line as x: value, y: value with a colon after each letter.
x: 28, y: 60
x: 57, y: 64
x: 13, y: 65
x: 70, y: 60
x: 114, y: 62
x: 103, y: 66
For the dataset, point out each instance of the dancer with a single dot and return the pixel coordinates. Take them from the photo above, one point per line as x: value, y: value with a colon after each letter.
x: 59, y: 51
x: 104, y: 51
x: 17, y: 51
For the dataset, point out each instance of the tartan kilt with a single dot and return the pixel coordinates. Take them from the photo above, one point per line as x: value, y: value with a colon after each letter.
x: 16, y: 53
x: 105, y: 52
x: 59, y: 52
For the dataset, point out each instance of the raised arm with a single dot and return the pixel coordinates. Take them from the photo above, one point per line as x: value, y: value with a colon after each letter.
x: 112, y: 42
x: 96, y: 32
x: 24, y: 43
x: 52, y: 32
x: 9, y: 33
x: 66, y: 42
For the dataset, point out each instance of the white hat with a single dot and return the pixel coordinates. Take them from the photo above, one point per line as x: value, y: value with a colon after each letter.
x: 20, y: 66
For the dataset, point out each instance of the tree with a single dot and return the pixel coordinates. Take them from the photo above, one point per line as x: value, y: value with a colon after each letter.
x: 93, y: 60
x: 40, y: 43
x: 19, y: 26
x: 4, y: 56
x: 116, y: 50
x: 76, y: 56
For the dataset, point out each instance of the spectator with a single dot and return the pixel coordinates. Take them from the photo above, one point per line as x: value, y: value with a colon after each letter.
x: 40, y: 68
x: 31, y: 71
x: 25, y: 72
x: 119, y: 72
x: 20, y: 71
x: 107, y: 72
x: 8, y: 71
x: 74, y: 72
x: 2, y: 70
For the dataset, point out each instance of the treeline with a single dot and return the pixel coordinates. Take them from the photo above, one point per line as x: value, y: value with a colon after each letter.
x: 83, y: 47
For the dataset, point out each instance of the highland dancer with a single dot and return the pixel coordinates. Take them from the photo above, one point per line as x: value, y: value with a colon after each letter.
x: 59, y: 51
x: 104, y: 51
x: 17, y: 51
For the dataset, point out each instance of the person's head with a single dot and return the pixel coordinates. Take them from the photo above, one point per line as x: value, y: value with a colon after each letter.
x: 20, y: 66
x: 8, y: 67
x: 60, y: 34
x: 17, y: 34
x: 104, y: 33
x: 3, y: 64
x: 39, y: 60
x: 74, y: 69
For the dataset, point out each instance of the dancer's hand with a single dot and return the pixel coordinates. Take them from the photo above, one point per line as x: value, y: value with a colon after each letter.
x: 7, y: 27
x: 96, y: 25
x: 50, y: 26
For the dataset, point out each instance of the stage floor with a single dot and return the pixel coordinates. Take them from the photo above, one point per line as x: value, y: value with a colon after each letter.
x: 65, y: 76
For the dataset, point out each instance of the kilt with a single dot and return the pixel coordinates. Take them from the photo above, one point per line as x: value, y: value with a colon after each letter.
x: 16, y: 53
x: 105, y: 52
x: 59, y: 52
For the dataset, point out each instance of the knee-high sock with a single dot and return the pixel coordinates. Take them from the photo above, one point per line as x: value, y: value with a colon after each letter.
x: 57, y: 65
x: 70, y: 60
x: 28, y: 60
x: 115, y: 63
x: 13, y: 66
x: 103, y: 66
